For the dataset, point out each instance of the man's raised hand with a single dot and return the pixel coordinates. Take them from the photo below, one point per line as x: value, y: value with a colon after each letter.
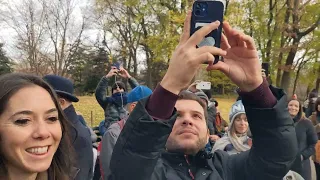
x: 186, y: 58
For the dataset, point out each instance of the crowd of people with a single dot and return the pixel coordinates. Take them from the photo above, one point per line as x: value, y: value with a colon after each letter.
x: 175, y: 132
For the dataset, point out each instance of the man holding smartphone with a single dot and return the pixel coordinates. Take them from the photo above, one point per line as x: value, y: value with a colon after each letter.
x: 165, y: 135
x: 114, y: 105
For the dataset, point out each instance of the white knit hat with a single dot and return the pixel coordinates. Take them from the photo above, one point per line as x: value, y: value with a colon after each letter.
x: 236, y: 109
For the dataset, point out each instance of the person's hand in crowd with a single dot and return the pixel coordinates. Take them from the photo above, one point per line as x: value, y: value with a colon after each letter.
x: 214, y: 137
x: 226, y: 129
x: 124, y: 73
x: 186, y: 58
x: 241, y: 63
x: 112, y: 72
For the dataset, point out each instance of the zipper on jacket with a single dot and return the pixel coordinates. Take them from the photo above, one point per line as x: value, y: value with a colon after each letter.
x: 189, y: 170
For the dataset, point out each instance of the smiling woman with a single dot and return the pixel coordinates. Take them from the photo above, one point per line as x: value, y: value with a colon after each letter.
x: 307, y: 139
x: 34, y: 141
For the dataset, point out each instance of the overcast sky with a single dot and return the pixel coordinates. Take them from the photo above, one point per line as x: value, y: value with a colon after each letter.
x: 7, y: 34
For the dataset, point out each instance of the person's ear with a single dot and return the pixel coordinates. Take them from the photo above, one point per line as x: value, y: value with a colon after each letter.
x: 132, y: 106
x: 62, y: 102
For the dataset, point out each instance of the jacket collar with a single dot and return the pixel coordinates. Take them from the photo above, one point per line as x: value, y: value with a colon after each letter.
x: 199, y: 160
x: 71, y: 114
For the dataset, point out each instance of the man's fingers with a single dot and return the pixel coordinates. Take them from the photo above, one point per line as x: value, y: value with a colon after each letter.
x: 240, y: 41
x: 204, y: 58
x: 249, y: 42
x: 230, y: 34
x: 224, y: 42
x: 211, y: 49
x: 223, y: 67
x: 198, y: 36
x: 186, y: 29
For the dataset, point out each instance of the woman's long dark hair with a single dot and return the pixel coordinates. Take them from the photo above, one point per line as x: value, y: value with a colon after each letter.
x: 62, y: 162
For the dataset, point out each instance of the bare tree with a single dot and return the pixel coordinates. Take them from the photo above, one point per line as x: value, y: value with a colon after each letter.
x: 27, y: 20
x: 65, y: 30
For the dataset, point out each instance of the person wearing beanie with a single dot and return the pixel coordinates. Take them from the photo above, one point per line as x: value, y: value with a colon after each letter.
x: 236, y: 140
x: 114, y: 105
x: 110, y: 137
x: 205, y: 95
x: 80, y: 135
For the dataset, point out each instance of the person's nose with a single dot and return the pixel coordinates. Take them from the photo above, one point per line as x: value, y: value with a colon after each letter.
x: 187, y: 120
x: 41, y: 130
x: 242, y: 122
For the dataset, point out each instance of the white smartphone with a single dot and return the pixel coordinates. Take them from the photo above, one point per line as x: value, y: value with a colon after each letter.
x: 203, y: 85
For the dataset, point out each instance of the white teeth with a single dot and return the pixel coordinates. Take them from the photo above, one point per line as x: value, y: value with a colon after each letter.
x: 39, y: 150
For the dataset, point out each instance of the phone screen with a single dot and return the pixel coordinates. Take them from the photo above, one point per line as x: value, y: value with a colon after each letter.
x: 204, y: 12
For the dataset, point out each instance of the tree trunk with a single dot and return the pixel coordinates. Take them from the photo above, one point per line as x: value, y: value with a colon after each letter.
x: 285, y: 81
x: 318, y: 79
x: 297, y: 78
x: 282, y: 43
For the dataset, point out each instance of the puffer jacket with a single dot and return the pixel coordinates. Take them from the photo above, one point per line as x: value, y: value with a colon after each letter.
x: 140, y: 153
x: 112, y: 112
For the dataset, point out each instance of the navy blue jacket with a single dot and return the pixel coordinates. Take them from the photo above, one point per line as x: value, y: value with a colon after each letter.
x: 81, y: 141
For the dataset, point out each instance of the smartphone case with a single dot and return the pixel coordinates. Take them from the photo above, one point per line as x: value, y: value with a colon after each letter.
x: 215, y: 11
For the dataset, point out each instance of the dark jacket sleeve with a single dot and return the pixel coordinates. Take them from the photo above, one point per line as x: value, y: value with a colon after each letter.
x: 133, y: 82
x: 312, y: 140
x: 101, y: 92
x: 108, y: 142
x: 135, y: 147
x: 274, y: 143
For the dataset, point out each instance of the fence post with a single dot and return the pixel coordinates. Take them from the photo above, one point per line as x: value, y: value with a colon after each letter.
x: 91, y: 118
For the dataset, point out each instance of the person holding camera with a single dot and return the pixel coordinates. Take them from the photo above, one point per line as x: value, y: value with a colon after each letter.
x: 114, y: 105
x: 165, y: 136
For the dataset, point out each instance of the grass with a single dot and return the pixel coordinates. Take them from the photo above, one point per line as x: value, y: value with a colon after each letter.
x: 93, y: 113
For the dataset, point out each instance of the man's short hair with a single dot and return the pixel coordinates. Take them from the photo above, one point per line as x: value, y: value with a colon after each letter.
x: 188, y: 95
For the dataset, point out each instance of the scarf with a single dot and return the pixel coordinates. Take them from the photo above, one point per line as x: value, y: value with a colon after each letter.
x: 119, y: 99
x: 240, y: 143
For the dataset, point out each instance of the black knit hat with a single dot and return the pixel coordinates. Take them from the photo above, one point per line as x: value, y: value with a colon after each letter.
x: 118, y: 84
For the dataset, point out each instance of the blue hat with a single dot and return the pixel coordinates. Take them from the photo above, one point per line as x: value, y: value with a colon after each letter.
x: 138, y: 93
x: 236, y: 109
x: 62, y: 86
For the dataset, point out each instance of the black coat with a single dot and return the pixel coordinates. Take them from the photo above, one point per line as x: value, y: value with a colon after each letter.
x: 140, y: 154
x: 307, y: 139
x: 81, y: 141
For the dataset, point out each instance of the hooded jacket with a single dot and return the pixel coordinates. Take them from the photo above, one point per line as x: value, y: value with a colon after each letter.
x: 140, y: 152
x: 112, y: 111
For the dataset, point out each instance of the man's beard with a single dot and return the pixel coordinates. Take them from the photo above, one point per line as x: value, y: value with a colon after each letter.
x: 173, y: 145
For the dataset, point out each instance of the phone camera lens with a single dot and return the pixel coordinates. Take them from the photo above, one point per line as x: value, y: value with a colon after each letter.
x: 198, y: 12
x: 198, y: 6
